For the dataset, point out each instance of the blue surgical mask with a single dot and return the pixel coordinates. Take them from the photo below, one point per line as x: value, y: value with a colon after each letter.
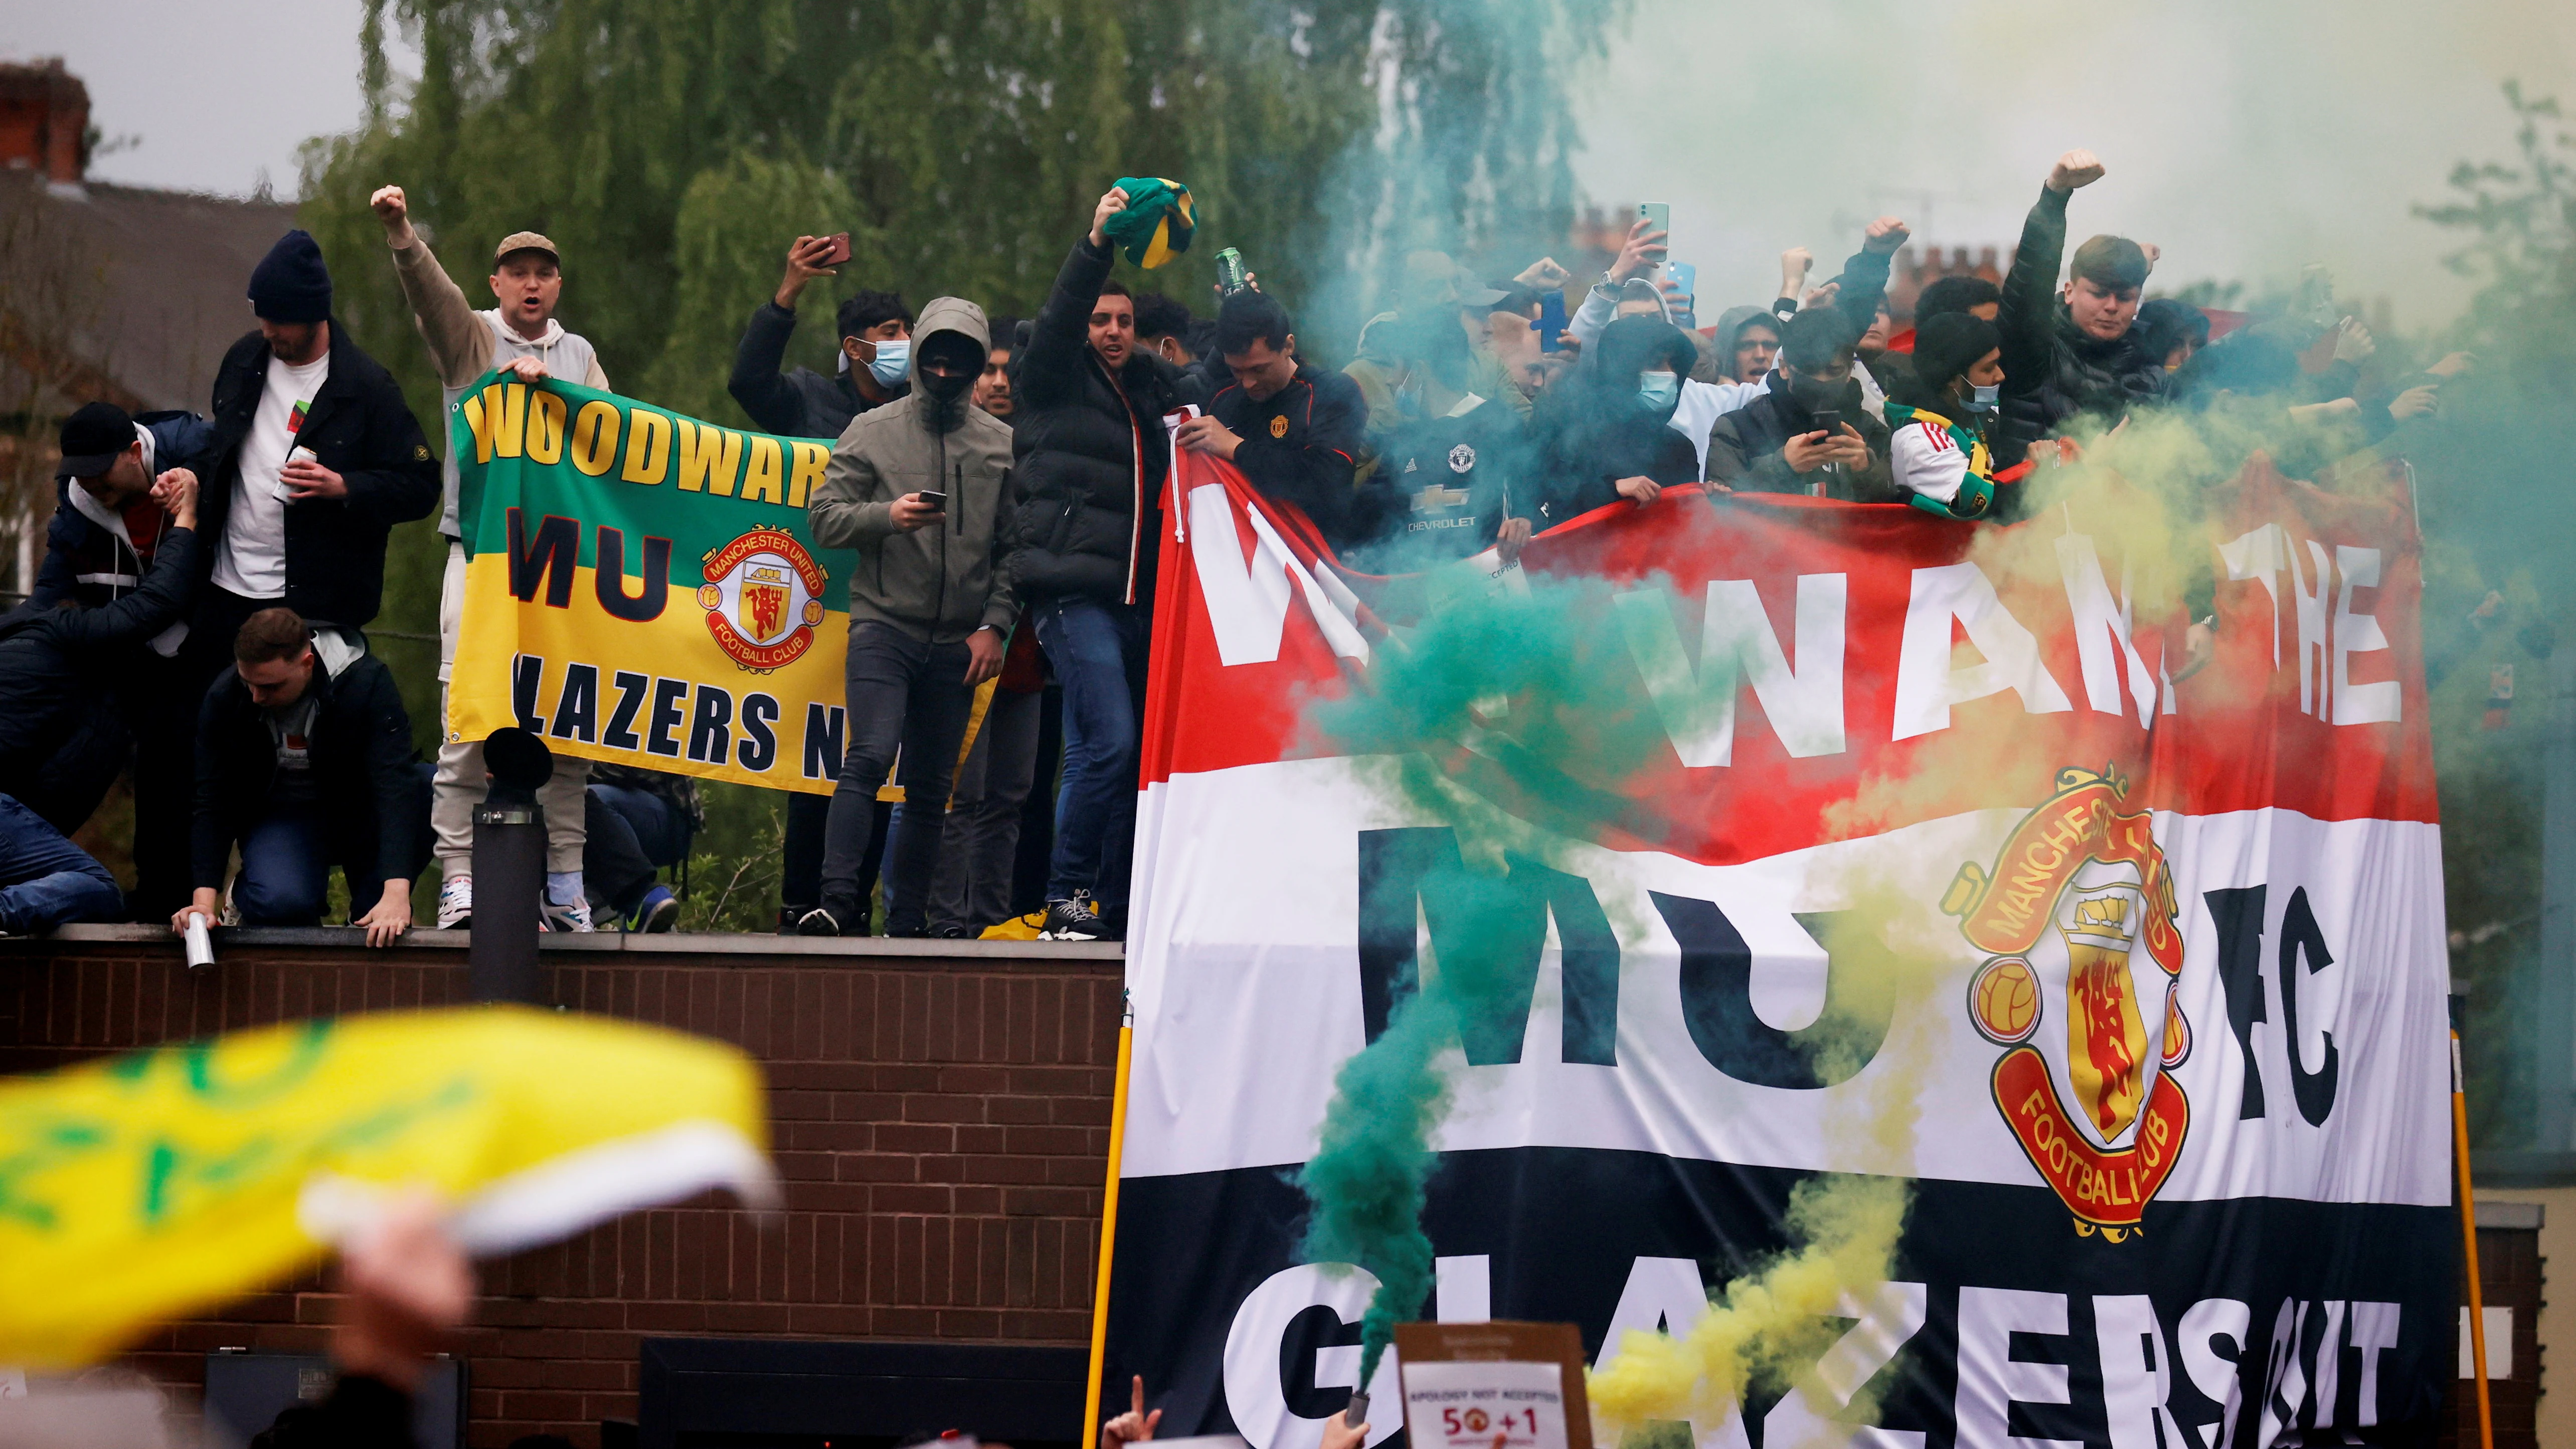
x: 1660, y: 390
x: 893, y: 357
x: 1984, y: 400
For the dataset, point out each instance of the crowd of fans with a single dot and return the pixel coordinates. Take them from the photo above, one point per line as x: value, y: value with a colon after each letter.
x: 207, y: 580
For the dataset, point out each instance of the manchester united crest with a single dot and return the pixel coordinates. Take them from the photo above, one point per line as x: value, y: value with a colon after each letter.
x: 763, y: 597
x: 2077, y: 923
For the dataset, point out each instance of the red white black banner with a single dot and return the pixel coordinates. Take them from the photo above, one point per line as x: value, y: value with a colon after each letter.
x: 2173, y: 1091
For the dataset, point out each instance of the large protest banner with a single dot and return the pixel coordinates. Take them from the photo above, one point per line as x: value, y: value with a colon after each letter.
x: 2173, y: 1107
x: 639, y: 587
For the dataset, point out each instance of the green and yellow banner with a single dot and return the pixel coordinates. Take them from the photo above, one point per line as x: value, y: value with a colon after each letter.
x: 639, y: 587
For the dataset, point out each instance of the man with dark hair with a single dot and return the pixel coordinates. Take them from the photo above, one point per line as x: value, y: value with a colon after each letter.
x: 1293, y: 428
x: 109, y: 520
x: 2070, y: 349
x: 304, y: 759
x: 1091, y: 455
x: 993, y: 384
x: 1972, y: 295
x: 314, y: 457
x: 876, y: 344
x: 876, y: 338
x: 930, y: 609
x: 62, y: 659
x: 2172, y: 330
x: 1163, y: 328
x: 1808, y: 432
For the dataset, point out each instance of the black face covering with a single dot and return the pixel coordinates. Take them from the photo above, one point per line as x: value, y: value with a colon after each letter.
x: 963, y: 359
x: 946, y: 389
x: 1813, y: 393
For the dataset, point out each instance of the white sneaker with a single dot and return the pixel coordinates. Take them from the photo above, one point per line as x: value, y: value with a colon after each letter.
x: 456, y: 903
x: 574, y: 917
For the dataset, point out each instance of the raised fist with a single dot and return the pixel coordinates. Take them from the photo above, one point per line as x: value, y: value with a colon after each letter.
x: 2074, y: 169
x: 1885, y: 235
x: 395, y: 212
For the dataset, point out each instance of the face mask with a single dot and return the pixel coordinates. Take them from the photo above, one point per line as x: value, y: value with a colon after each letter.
x: 1983, y: 400
x: 891, y: 360
x: 1815, y: 392
x: 1660, y: 390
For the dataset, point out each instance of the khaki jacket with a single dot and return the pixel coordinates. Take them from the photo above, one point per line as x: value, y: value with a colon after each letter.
x: 940, y: 583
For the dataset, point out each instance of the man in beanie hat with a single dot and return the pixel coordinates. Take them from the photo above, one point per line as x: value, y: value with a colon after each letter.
x: 110, y: 519
x: 520, y: 333
x: 1940, y: 409
x: 314, y: 458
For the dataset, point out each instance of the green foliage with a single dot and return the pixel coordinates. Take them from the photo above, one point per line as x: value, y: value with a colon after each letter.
x: 2497, y: 524
x: 674, y: 148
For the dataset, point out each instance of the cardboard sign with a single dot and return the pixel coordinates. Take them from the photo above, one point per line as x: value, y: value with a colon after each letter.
x: 1493, y: 1385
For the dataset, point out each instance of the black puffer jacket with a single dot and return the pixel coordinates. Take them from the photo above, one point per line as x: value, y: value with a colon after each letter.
x: 2052, y: 371
x: 1089, y: 449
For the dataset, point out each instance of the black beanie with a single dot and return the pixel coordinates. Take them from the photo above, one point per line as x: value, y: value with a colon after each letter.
x: 1949, y: 345
x: 290, y: 284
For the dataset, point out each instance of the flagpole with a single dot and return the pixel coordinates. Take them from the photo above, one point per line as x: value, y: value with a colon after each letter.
x: 1108, y: 1242
x: 2468, y: 1232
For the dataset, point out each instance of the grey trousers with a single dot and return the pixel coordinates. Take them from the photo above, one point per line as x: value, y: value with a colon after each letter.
x: 972, y: 888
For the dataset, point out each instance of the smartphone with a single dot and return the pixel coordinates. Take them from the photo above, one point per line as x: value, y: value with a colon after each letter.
x: 1659, y: 217
x: 1551, y: 321
x: 1686, y: 277
x: 840, y: 252
x: 1231, y: 273
x: 1829, y: 420
x: 935, y: 499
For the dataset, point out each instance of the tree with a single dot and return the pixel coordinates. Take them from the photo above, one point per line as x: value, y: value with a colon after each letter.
x: 673, y: 149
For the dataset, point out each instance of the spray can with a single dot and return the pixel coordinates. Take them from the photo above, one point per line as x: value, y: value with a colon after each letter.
x: 201, y: 944
x: 1231, y: 274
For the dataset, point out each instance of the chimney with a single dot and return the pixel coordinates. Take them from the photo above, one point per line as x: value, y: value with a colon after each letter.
x: 44, y: 120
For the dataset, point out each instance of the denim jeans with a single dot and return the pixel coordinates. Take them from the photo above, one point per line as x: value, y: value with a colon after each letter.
x: 908, y: 694
x: 972, y: 889
x: 46, y: 880
x: 1098, y: 652
x: 286, y: 859
x: 630, y: 835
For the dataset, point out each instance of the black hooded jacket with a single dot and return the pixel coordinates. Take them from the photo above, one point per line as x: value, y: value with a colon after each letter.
x: 2053, y: 370
x: 57, y: 661
x: 1089, y: 449
x: 793, y: 403
x: 1594, y: 430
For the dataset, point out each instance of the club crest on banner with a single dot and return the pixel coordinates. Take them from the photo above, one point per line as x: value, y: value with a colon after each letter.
x: 2077, y: 920
x: 763, y: 597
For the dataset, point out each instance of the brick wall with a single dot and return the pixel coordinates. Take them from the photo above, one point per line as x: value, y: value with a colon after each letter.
x: 940, y: 1114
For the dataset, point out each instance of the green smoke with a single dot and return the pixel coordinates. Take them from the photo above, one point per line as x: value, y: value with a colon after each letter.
x: 1500, y: 701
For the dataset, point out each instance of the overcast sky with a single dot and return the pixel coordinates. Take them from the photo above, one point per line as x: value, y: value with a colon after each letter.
x: 2242, y: 138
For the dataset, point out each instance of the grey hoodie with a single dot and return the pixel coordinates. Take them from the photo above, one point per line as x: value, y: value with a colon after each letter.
x: 942, y: 582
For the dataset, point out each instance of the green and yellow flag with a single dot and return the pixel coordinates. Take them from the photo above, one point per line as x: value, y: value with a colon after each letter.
x: 1158, y: 222
x: 639, y: 587
x: 148, y: 1186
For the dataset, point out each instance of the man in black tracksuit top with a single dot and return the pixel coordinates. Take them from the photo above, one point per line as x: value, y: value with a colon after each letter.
x: 1294, y: 430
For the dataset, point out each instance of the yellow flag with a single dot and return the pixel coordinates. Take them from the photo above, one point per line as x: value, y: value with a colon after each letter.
x: 147, y: 1186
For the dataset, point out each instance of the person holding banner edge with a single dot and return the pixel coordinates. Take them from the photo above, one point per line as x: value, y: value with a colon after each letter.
x: 520, y: 333
x: 922, y: 489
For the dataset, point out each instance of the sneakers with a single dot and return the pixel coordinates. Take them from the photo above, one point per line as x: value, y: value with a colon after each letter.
x: 456, y: 903
x: 572, y: 917
x: 1074, y: 920
x: 659, y: 911
x: 818, y: 922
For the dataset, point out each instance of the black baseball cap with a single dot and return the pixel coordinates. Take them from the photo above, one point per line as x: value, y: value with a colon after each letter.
x: 92, y: 439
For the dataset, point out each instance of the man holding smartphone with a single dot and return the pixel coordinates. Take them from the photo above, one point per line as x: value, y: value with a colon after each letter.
x: 922, y: 489
x: 520, y: 332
